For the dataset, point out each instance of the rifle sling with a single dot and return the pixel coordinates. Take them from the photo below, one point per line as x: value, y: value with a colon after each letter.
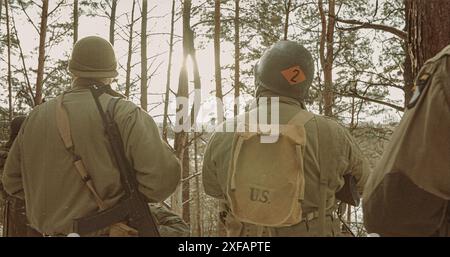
x: 114, y: 215
x: 63, y: 126
x: 138, y: 209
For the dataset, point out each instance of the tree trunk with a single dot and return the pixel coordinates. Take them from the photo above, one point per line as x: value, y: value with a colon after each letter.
x: 180, y: 144
x: 197, y: 80
x: 8, y: 36
x: 112, y: 22
x: 30, y: 99
x: 75, y: 21
x: 286, y: 22
x: 327, y: 58
x: 181, y: 138
x: 198, y: 223
x: 169, y: 72
x: 130, y: 54
x: 1, y: 8
x: 144, y: 76
x: 185, y: 185
x: 41, y: 58
x: 237, y: 54
x: 218, y: 72
x: 193, y: 114
x: 428, y: 30
x: 407, y: 76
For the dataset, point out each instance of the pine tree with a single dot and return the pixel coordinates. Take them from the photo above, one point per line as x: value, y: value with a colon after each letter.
x: 144, y: 76
x: 41, y: 59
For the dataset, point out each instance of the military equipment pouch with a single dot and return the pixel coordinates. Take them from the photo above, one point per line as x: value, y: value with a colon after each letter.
x: 266, y: 181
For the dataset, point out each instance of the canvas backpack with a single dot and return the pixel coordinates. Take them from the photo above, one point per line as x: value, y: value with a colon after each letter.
x: 266, y: 181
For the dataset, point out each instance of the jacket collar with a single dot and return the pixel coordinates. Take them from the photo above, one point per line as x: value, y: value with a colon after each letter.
x: 282, y: 99
x: 83, y: 83
x: 80, y: 84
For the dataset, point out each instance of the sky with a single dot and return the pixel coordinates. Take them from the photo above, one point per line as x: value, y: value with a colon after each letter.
x: 158, y: 44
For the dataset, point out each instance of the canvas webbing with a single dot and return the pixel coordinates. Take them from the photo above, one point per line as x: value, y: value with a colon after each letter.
x: 300, y: 119
x: 63, y: 125
x: 324, y: 141
x: 235, y: 157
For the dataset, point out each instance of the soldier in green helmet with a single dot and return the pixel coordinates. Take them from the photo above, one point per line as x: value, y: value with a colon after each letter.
x: 285, y: 187
x: 41, y: 169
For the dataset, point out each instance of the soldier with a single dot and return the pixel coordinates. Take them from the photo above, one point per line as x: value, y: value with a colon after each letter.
x: 14, y: 220
x: 408, y: 193
x: 45, y: 172
x: 245, y: 173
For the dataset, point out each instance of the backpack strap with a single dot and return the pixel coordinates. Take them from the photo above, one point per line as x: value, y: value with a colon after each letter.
x: 241, y: 137
x: 301, y: 118
x: 324, y: 135
x: 63, y: 126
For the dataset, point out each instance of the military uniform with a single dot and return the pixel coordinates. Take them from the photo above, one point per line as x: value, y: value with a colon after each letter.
x: 408, y: 193
x: 15, y: 223
x: 345, y: 158
x: 341, y: 154
x: 169, y: 223
x: 41, y: 170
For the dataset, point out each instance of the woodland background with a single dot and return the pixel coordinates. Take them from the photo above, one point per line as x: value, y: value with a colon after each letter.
x: 367, y: 54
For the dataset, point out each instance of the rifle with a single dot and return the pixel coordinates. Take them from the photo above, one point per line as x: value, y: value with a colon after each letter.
x: 132, y: 208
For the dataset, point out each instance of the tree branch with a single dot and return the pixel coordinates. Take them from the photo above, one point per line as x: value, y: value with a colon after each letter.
x: 396, y: 107
x: 367, y: 25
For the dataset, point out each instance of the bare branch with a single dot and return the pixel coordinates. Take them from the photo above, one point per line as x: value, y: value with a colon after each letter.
x: 367, y: 25
x: 396, y: 107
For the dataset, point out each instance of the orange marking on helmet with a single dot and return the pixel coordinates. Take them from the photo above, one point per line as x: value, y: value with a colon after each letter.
x: 294, y: 75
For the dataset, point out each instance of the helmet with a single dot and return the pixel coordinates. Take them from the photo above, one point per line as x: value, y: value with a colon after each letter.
x: 287, y: 69
x: 93, y: 57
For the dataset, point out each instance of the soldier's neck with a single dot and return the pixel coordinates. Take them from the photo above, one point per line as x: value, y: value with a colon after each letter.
x: 79, y: 83
x: 282, y: 99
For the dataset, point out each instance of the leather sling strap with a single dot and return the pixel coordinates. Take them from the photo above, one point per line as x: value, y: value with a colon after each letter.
x: 63, y: 126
